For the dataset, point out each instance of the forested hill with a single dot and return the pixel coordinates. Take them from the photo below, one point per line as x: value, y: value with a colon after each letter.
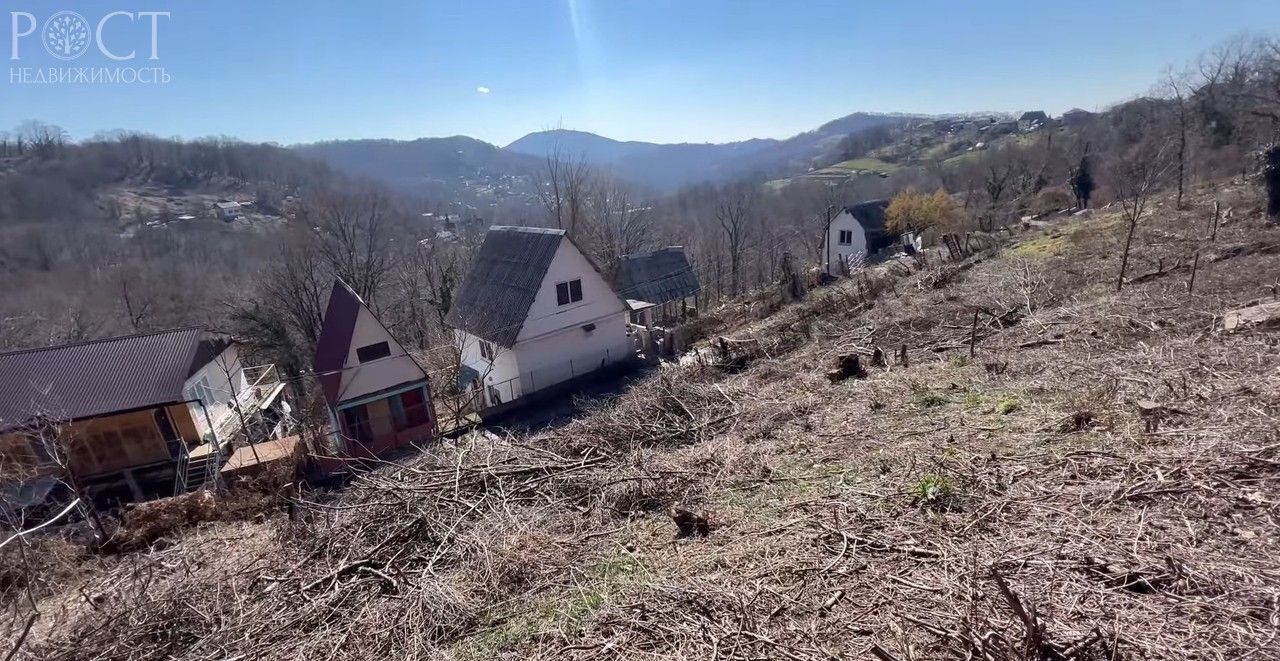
x: 457, y: 166
x: 666, y: 167
x: 44, y: 177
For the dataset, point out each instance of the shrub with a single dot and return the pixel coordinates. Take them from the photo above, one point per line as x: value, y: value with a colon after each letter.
x: 926, y: 399
x: 1007, y: 405
x: 935, y: 492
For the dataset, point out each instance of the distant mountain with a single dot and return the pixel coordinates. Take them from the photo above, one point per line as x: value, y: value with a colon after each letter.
x: 466, y: 169
x: 427, y: 165
x: 668, y: 166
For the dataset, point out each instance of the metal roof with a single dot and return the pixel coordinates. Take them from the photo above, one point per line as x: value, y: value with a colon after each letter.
x: 505, y: 275
x: 657, y: 277
x: 334, y: 343
x: 88, y: 379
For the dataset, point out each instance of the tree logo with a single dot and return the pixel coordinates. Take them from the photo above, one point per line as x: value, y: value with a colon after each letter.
x: 66, y: 35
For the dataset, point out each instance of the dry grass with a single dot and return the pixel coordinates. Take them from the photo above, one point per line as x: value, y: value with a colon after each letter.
x: 1009, y: 505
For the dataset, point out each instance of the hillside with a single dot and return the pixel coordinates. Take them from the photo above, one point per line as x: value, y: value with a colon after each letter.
x: 1005, y: 492
x: 471, y: 171
x: 448, y: 168
x: 665, y: 167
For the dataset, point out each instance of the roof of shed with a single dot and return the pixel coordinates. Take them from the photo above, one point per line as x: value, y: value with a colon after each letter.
x: 88, y: 379
x: 505, y: 275
x: 658, y: 276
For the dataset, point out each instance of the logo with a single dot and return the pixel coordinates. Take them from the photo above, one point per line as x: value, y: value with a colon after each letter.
x: 123, y: 41
x: 66, y: 35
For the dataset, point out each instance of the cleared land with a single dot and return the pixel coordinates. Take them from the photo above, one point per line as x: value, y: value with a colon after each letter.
x: 1025, y: 502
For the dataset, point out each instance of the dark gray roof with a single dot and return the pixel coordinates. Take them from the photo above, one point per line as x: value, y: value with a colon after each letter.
x: 657, y: 277
x: 494, y: 299
x: 87, y: 379
x: 871, y: 216
x: 1033, y: 116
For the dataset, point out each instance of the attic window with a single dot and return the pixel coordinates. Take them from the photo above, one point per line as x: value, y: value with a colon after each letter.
x: 846, y: 237
x: 569, y: 292
x: 373, y: 352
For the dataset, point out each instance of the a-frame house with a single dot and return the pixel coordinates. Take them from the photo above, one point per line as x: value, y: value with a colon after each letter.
x: 378, y: 396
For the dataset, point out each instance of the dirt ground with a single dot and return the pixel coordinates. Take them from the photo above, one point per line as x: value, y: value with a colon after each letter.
x: 1071, y: 473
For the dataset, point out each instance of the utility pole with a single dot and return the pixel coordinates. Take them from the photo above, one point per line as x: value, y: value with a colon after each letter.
x: 826, y: 250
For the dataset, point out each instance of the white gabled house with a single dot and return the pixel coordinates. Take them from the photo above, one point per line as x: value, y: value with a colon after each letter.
x: 858, y: 234
x: 534, y: 312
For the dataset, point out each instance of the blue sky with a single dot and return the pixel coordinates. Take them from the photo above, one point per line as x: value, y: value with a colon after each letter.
x: 661, y: 70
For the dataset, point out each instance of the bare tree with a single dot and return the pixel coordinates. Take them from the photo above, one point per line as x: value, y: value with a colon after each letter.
x: 1178, y: 88
x: 563, y: 186
x: 734, y: 208
x: 50, y: 452
x: 45, y: 140
x: 283, y: 317
x: 1137, y: 175
x: 354, y: 236
x: 619, y: 224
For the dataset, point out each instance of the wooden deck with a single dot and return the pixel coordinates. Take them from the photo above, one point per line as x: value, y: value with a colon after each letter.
x: 246, y: 458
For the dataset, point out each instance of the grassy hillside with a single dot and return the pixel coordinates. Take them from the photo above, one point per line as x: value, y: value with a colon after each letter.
x: 1000, y: 494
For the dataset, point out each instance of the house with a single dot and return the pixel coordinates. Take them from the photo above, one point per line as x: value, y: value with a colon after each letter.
x: 661, y: 280
x: 132, y: 418
x: 855, y: 235
x: 1032, y: 120
x: 661, y: 291
x: 378, y: 397
x: 228, y: 210
x: 534, y: 312
x: 1076, y: 117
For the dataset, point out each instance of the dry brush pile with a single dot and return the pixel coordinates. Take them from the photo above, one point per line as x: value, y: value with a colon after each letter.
x: 1069, y: 473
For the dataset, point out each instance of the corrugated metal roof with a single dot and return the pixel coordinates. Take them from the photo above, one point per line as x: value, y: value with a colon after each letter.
x: 658, y: 276
x: 494, y: 299
x: 88, y: 379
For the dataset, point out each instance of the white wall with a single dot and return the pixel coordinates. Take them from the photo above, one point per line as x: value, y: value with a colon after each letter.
x: 553, y: 346
x: 838, y: 254
x: 503, y: 372
x: 598, y: 299
x: 359, y: 380
x: 554, y: 357
x: 221, y: 387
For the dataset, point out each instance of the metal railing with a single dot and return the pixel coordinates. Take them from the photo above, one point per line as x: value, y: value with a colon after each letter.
x: 260, y: 381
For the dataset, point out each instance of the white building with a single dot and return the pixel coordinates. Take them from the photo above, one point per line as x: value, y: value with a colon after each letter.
x: 228, y: 210
x: 534, y: 312
x: 856, y: 235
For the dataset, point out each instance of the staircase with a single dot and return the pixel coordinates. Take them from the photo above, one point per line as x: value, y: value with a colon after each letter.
x: 200, y: 470
x: 194, y: 472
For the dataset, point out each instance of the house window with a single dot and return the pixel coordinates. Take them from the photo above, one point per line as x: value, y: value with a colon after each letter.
x: 487, y: 350
x: 201, y: 391
x: 569, y: 292
x: 356, y: 423
x: 846, y: 237
x: 373, y: 352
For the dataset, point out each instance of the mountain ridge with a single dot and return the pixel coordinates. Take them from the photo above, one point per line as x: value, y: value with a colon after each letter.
x: 443, y: 164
